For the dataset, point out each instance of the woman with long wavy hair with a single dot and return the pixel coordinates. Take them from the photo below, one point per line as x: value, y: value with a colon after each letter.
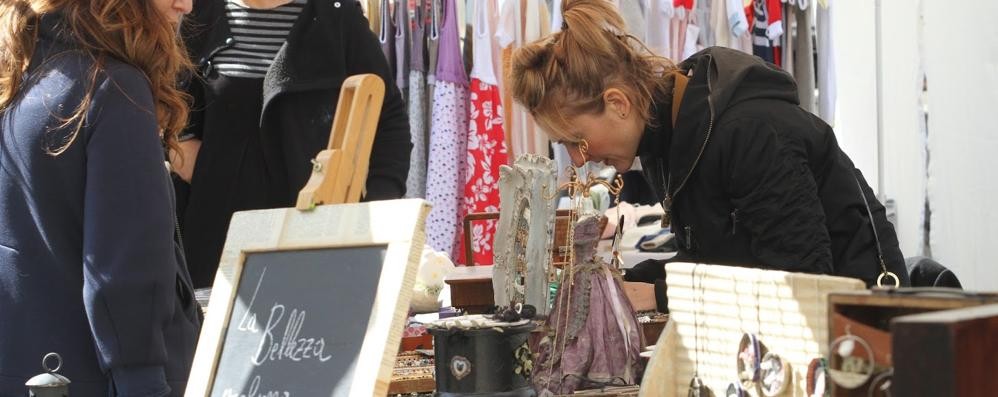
x: 90, y: 261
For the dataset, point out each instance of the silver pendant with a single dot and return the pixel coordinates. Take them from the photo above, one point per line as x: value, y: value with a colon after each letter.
x: 749, y: 356
x: 697, y: 388
x: 774, y: 374
x: 850, y: 363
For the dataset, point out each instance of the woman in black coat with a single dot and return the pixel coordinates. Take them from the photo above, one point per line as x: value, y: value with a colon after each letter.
x: 745, y: 175
x: 90, y: 266
x: 269, y: 76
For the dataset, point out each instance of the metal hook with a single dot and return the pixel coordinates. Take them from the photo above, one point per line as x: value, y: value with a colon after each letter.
x: 45, y: 360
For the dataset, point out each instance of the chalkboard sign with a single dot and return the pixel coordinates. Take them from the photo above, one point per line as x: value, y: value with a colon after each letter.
x: 310, y: 303
x: 286, y: 337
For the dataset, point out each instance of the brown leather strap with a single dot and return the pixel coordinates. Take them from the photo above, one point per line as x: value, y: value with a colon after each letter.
x: 679, y: 88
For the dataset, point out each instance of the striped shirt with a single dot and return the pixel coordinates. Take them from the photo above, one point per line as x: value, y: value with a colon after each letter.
x: 258, y: 35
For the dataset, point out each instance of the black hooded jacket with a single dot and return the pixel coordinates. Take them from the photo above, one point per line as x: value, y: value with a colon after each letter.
x: 257, y: 147
x: 755, y: 180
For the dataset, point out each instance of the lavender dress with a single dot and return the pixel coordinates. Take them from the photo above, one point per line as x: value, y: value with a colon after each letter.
x: 594, y: 335
x: 448, y: 138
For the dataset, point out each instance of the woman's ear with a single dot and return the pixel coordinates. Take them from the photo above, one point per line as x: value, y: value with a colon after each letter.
x: 617, y: 102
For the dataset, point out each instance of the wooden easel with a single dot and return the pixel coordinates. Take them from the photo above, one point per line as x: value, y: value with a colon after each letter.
x: 339, y: 172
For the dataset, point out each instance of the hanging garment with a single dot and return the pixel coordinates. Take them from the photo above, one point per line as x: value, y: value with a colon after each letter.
x: 707, y: 32
x: 659, y: 27
x: 486, y: 142
x: 826, y: 64
x: 692, y: 35
x: 774, y: 17
x: 788, y: 40
x: 718, y: 20
x: 561, y: 159
x: 432, y: 51
x: 416, y: 182
x: 737, y: 22
x: 804, y: 59
x: 556, y: 18
x: 766, y: 19
x: 630, y: 10
x: 386, y: 35
x: 761, y: 46
x: 677, y: 34
x: 448, y: 137
x: 402, y: 54
x: 734, y: 12
x: 465, y: 27
x: 684, y: 16
x: 517, y: 27
x: 374, y: 15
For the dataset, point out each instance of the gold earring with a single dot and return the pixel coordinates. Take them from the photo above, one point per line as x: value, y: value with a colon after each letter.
x: 583, y: 146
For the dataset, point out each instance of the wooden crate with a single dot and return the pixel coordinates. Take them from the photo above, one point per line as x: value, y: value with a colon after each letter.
x: 471, y: 288
x: 946, y: 353
x: 868, y: 315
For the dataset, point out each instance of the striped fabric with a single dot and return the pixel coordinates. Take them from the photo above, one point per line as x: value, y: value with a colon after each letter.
x: 258, y: 35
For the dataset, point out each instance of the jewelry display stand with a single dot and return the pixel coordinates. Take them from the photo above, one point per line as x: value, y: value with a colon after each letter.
x: 712, y: 307
x: 523, y: 251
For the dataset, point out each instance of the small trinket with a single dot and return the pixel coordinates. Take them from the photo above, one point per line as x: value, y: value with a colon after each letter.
x: 697, y: 388
x: 851, y: 362
x: 460, y: 367
x: 734, y: 390
x: 749, y: 356
x: 775, y: 374
x: 817, y: 381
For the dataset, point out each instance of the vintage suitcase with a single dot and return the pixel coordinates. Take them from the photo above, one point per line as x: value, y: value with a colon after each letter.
x: 862, y: 320
x: 946, y: 353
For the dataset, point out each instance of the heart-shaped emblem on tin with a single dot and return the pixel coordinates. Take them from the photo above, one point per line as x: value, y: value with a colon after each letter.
x: 460, y: 367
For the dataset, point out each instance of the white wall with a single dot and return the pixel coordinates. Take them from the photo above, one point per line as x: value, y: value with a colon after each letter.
x: 961, y: 59
x: 904, y: 172
x: 955, y: 44
x: 856, y: 109
x: 903, y: 136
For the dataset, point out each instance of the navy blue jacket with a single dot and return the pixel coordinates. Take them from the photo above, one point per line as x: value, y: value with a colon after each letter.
x: 89, y: 267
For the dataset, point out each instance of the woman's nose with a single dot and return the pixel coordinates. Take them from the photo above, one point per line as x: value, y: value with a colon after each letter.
x: 184, y: 6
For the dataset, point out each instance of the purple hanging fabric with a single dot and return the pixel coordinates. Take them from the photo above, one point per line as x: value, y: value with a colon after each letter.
x: 447, y: 160
x: 450, y: 65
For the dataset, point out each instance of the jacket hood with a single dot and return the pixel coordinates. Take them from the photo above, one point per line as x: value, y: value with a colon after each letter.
x: 719, y: 79
x: 735, y: 77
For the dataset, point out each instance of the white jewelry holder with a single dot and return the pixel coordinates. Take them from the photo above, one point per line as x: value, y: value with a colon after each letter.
x: 525, y: 191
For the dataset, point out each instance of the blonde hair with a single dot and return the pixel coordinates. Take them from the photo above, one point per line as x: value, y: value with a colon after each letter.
x: 566, y: 73
x: 131, y: 31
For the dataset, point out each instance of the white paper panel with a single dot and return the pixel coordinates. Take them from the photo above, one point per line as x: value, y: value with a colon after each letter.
x: 961, y: 56
x: 787, y: 311
x: 904, y: 140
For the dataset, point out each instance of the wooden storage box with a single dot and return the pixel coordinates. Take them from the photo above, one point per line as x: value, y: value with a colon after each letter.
x: 471, y: 288
x: 946, y: 353
x: 868, y: 315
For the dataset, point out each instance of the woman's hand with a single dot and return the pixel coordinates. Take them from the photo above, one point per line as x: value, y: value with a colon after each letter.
x: 183, y: 162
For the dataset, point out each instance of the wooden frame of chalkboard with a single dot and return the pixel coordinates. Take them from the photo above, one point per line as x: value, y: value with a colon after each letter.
x: 392, y: 230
